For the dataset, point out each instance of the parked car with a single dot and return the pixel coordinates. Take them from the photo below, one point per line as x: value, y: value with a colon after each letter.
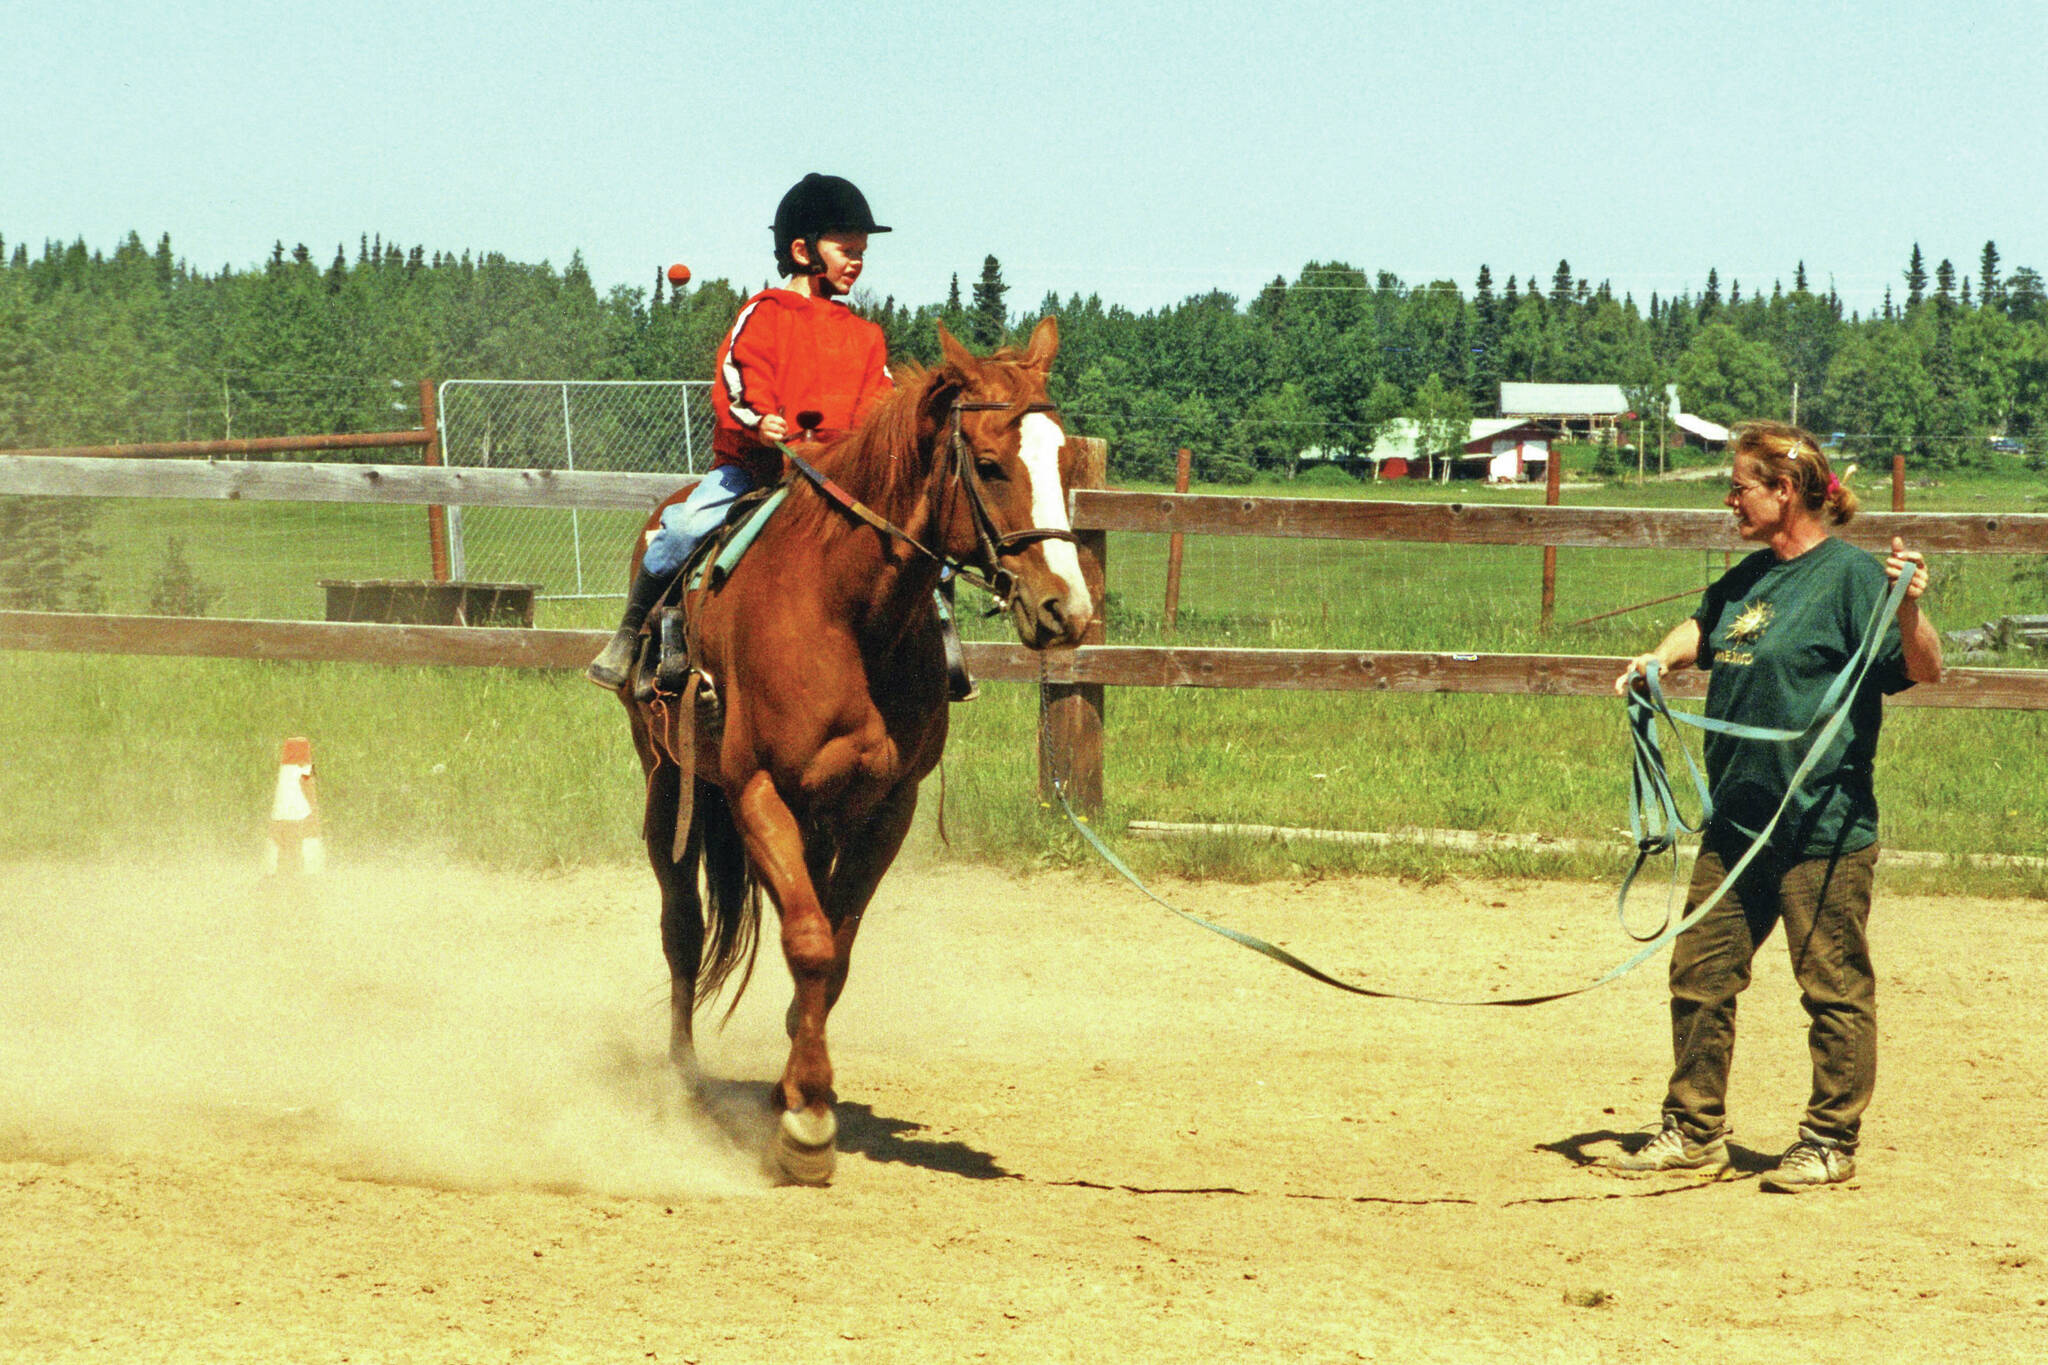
x: 2006, y: 445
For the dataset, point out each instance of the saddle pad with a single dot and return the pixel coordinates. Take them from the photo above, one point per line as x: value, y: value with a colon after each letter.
x: 743, y: 535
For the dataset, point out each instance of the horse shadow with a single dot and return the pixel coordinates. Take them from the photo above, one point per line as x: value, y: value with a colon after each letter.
x: 1579, y: 1149
x: 745, y: 1112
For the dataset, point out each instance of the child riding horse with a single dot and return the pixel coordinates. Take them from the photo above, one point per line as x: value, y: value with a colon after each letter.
x: 824, y: 647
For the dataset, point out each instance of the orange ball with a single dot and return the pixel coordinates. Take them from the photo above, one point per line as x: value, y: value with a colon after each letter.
x: 679, y: 273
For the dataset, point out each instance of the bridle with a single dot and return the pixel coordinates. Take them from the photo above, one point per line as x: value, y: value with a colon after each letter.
x: 992, y: 543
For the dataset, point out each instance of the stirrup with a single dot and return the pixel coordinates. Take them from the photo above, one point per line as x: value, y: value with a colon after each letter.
x: 672, y: 671
x: 643, y: 667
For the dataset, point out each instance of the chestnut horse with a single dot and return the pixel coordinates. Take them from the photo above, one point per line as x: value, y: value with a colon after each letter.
x: 824, y: 648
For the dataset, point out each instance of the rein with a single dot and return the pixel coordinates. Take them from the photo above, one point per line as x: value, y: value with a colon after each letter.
x: 1657, y: 831
x: 992, y: 543
x: 1663, y: 820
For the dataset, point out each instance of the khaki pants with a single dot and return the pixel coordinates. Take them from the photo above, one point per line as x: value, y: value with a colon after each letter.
x: 1825, y: 906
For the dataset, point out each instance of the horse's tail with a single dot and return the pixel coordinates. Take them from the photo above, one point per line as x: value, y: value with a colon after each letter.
x: 732, y: 899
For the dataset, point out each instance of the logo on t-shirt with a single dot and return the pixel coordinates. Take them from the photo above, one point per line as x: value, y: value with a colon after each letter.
x: 1749, y: 623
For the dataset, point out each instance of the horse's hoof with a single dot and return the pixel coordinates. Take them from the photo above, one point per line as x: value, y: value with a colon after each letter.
x: 803, y: 1146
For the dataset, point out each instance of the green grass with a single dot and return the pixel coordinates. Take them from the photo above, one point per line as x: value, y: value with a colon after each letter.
x: 109, y: 755
x: 535, y: 770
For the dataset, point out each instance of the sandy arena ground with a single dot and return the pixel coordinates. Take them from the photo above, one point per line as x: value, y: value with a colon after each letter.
x: 419, y: 1113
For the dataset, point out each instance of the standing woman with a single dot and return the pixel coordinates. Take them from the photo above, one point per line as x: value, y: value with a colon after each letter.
x: 1776, y: 630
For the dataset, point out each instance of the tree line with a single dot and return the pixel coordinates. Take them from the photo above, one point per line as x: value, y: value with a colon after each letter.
x: 136, y: 344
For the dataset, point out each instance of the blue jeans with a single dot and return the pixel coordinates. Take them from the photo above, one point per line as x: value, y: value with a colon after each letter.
x: 685, y: 523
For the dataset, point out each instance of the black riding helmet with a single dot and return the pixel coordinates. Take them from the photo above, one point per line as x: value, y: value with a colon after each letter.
x: 814, y: 206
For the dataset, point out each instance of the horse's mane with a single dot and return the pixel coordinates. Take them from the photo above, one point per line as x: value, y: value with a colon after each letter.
x: 879, y: 461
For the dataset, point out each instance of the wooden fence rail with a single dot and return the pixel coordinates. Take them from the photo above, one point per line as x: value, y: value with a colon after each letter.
x: 1094, y: 509
x: 248, y: 445
x: 1603, y: 528
x: 239, y: 480
x: 1322, y: 670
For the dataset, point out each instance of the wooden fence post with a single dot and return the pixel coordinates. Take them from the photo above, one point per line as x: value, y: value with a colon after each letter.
x: 1070, y: 714
x: 1898, y: 483
x: 1553, y: 481
x: 1173, y: 547
x: 437, y: 515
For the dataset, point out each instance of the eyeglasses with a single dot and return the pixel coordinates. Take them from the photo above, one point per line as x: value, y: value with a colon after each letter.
x: 1736, y: 490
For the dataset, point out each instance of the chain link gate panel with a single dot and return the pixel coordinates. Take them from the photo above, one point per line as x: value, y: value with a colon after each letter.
x: 639, y: 426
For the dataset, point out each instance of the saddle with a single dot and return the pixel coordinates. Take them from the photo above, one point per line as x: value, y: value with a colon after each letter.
x: 667, y: 658
x: 667, y: 664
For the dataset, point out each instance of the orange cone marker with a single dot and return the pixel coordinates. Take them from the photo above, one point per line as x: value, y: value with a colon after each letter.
x: 295, y: 841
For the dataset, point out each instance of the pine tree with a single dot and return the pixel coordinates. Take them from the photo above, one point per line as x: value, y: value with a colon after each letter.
x: 1799, y: 279
x: 1945, y: 285
x: 1486, y: 370
x: 1561, y: 284
x: 989, y: 319
x: 1990, y: 292
x: 1710, y: 302
x: 2026, y: 297
x: 1916, y: 279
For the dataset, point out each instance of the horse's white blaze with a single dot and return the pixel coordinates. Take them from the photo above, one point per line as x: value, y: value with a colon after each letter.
x: 1038, y: 446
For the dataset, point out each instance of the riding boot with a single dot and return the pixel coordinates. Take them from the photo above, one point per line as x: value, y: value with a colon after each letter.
x: 614, y: 665
x: 960, y: 685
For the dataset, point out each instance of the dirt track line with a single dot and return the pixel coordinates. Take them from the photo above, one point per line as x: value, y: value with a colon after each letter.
x: 1253, y: 1194
x: 1389, y: 1199
x: 1619, y: 1194
x: 1144, y: 1189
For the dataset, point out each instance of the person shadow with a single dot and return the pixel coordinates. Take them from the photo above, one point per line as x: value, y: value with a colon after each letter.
x: 745, y: 1112
x: 1591, y: 1150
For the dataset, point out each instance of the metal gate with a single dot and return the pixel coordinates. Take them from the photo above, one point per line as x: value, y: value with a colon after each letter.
x: 643, y: 426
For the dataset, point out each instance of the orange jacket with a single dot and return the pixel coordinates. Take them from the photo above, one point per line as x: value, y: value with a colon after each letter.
x: 789, y: 353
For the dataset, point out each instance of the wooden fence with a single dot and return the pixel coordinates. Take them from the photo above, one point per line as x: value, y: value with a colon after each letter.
x: 1071, y: 682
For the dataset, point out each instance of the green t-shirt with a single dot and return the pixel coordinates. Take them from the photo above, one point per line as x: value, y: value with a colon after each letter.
x: 1775, y: 634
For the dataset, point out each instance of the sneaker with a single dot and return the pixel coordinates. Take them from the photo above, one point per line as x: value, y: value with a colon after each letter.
x: 1809, y: 1164
x: 1672, y: 1151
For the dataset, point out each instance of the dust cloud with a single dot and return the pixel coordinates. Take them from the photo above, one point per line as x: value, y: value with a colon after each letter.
x: 407, y: 1021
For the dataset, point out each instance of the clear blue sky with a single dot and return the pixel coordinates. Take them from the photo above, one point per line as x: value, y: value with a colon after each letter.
x: 1143, y: 151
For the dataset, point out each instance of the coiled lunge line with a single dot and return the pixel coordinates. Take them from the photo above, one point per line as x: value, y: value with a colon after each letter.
x: 1654, y: 817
